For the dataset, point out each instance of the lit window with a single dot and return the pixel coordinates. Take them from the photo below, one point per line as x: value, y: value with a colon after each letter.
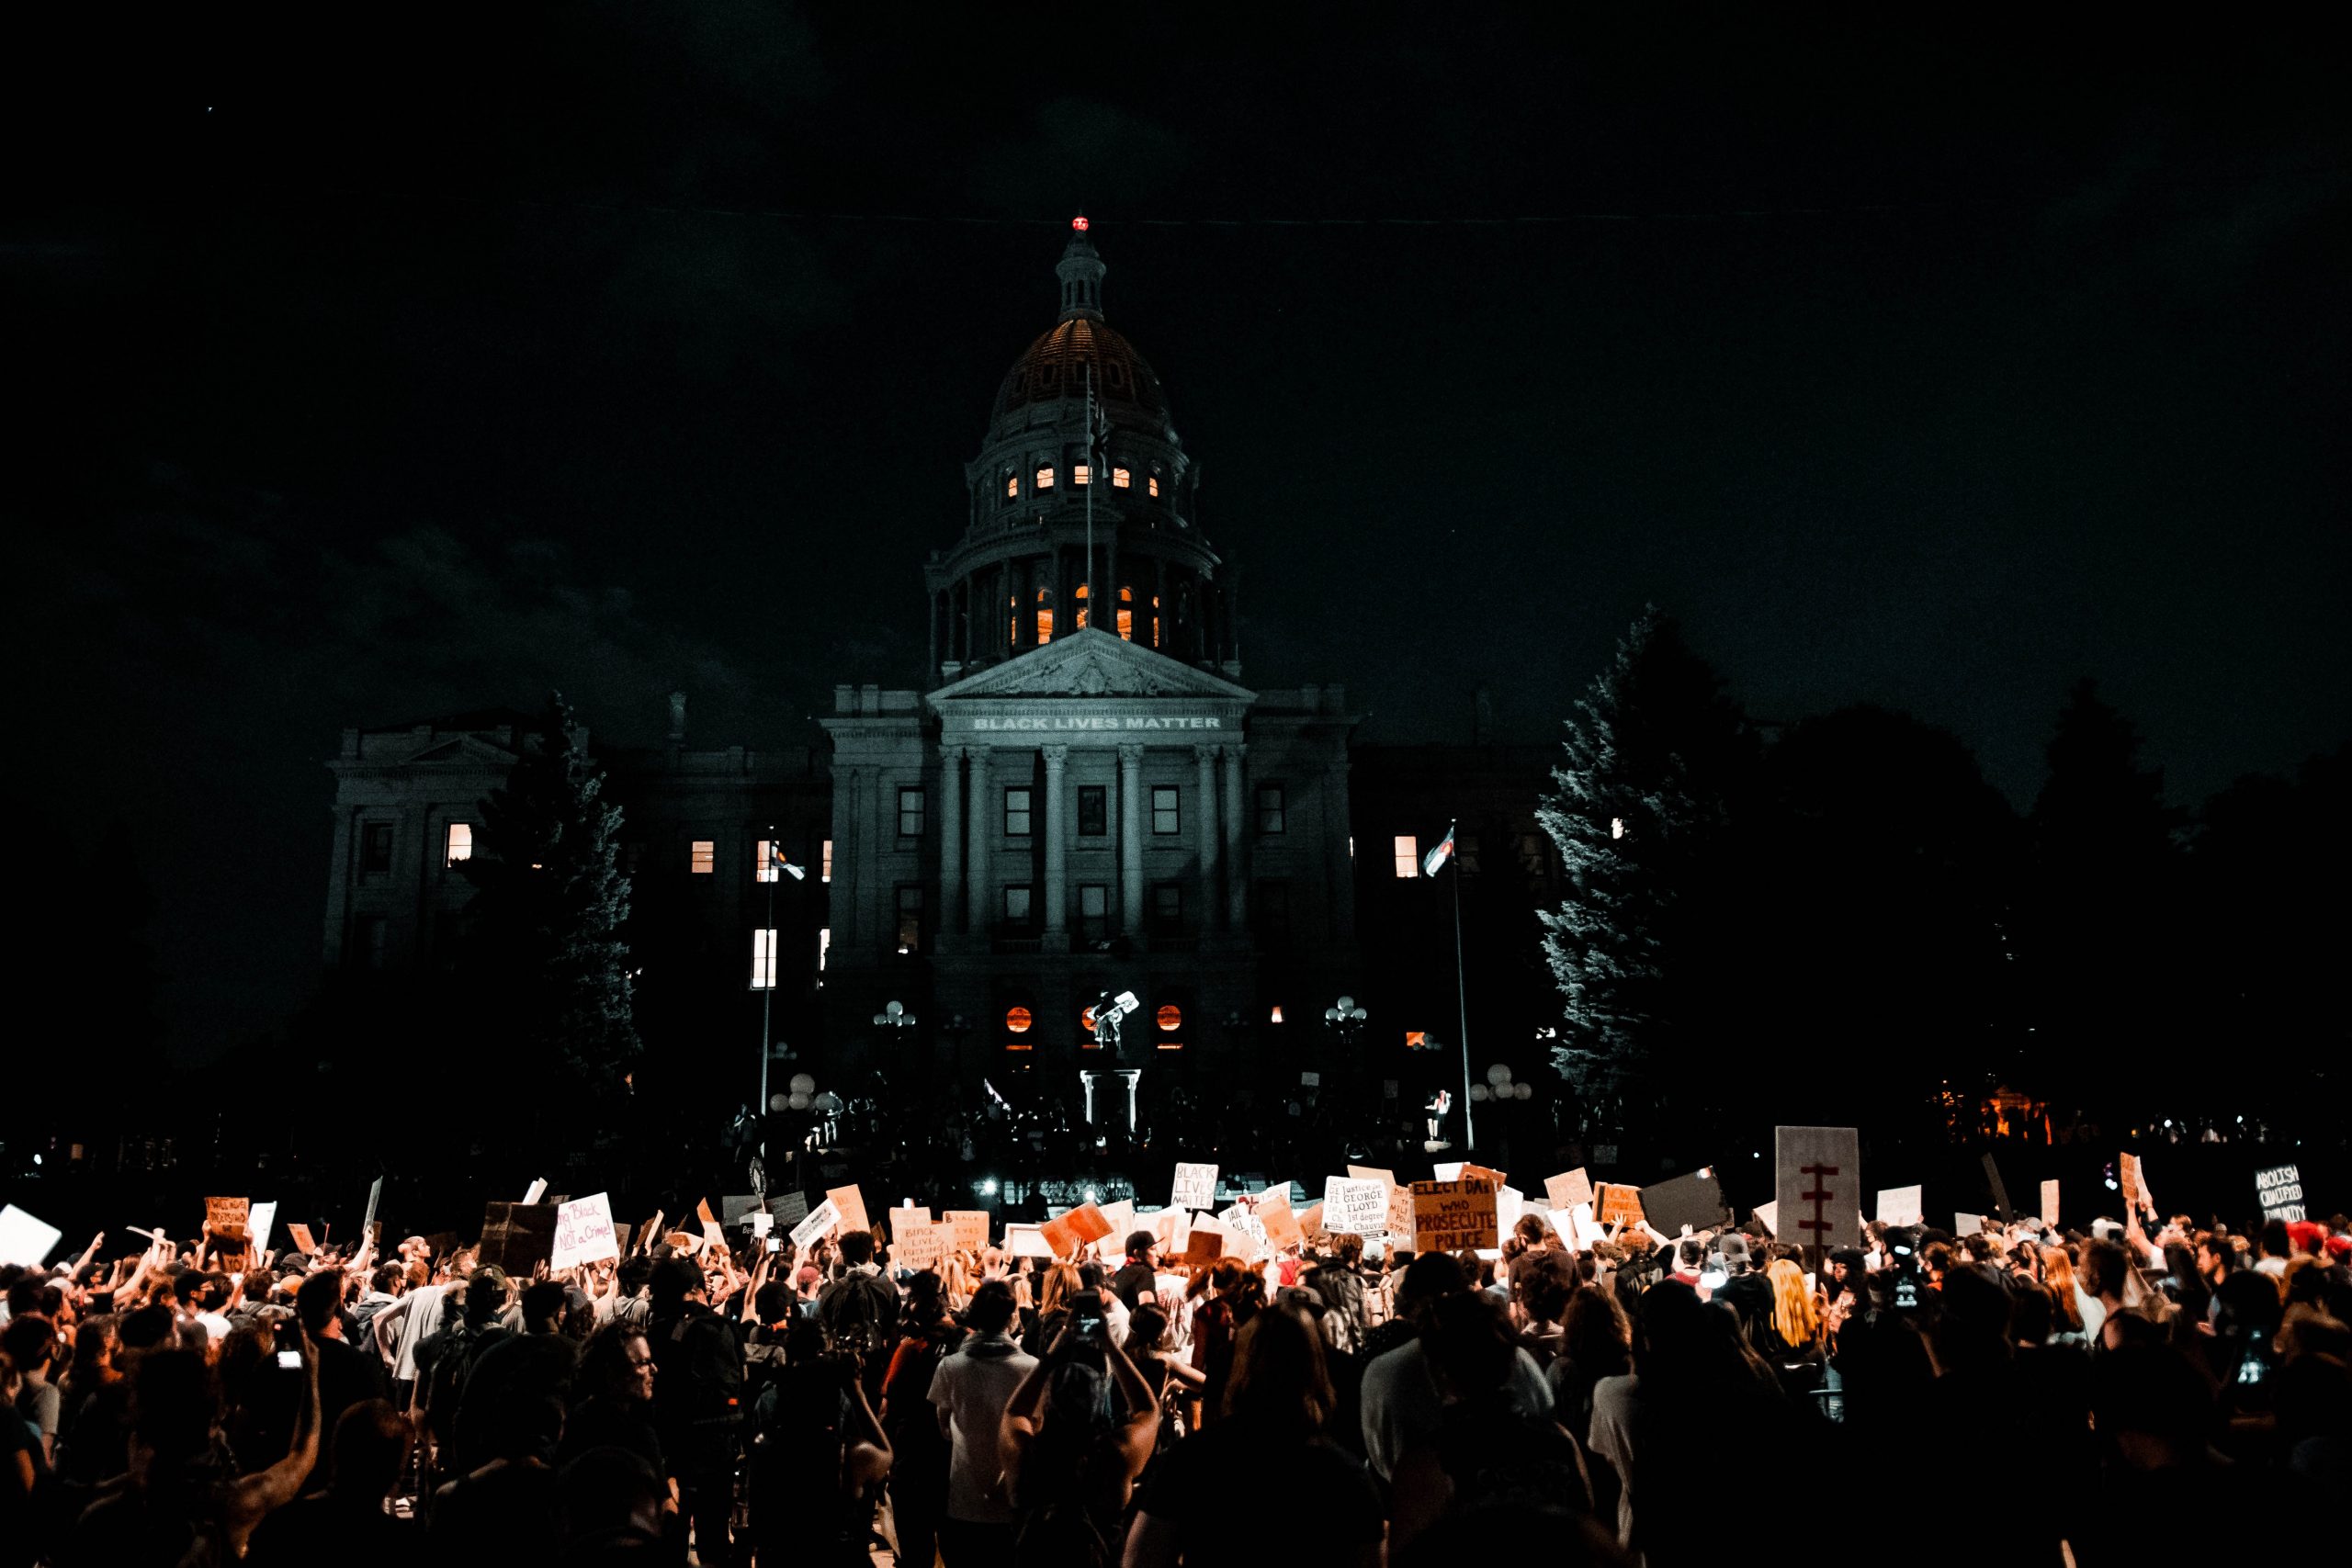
x: 1616, y: 827
x: 461, y: 842
x: 911, y: 814
x: 1016, y: 812
x: 1045, y: 479
x: 824, y: 946
x: 1081, y: 473
x: 1154, y: 483
x: 1270, y: 809
x: 1079, y: 596
x: 1275, y: 1016
x: 1044, y: 617
x: 825, y: 873
x: 1165, y: 817
x: 1017, y: 1020
x: 376, y: 849
x: 763, y: 959
x: 1171, y: 1044
x: 1017, y: 908
x: 1120, y: 479
x: 1126, y: 615
x: 1169, y: 1018
x: 763, y: 866
x: 703, y: 858
x: 1011, y: 487
x: 1086, y: 1022
x: 1409, y: 855
x: 911, y: 919
x: 1416, y: 1038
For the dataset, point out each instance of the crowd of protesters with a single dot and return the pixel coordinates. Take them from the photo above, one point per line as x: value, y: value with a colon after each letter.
x: 2020, y: 1393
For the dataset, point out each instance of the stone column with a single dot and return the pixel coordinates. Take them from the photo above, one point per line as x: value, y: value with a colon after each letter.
x: 977, y: 855
x: 1204, y: 763
x: 1237, y: 872
x: 951, y: 839
x: 1057, y: 892
x: 1131, y: 839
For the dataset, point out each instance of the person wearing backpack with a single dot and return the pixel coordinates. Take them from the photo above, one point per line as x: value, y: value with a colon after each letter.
x: 859, y: 1312
x: 917, y: 1449
x: 817, y: 1454
x: 697, y: 1396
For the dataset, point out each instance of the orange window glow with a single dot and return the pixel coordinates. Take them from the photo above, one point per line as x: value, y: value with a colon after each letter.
x: 1416, y: 1038
x: 1169, y: 1018
x: 1045, y: 478
x: 1017, y: 1019
x: 1120, y: 479
x: 1155, y: 485
x: 1081, y: 473
x: 1011, y: 486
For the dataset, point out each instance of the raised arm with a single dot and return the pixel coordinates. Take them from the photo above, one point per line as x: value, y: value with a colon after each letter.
x: 251, y: 1498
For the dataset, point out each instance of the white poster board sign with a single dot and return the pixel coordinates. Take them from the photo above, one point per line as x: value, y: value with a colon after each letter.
x: 1353, y: 1206
x: 264, y: 1216
x: 2280, y: 1190
x: 583, y: 1232
x: 822, y: 1219
x: 24, y: 1239
x: 1195, y: 1187
x: 1964, y: 1224
x: 1899, y: 1206
x: 1817, y: 1181
x: 1769, y: 1216
x: 2050, y: 1201
x: 1568, y: 1188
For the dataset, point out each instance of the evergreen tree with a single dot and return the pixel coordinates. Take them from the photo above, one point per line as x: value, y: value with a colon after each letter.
x: 550, y: 902
x: 1643, y: 817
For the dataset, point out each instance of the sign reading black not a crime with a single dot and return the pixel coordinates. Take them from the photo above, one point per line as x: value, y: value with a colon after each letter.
x: 2280, y: 1191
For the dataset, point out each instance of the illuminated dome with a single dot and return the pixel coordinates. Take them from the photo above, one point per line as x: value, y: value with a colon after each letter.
x: 1056, y: 367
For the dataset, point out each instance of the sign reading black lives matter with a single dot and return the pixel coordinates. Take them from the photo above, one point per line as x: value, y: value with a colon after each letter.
x: 2281, y: 1190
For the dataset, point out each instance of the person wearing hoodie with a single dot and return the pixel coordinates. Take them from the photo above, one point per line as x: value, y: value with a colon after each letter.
x: 970, y: 1390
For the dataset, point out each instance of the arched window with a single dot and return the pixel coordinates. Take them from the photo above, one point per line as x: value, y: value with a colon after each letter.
x: 1044, y: 617
x: 1126, y: 615
x: 1011, y: 485
x: 1120, y: 479
x: 1155, y: 487
x: 1081, y: 474
x: 1083, y: 606
x: 1045, y: 477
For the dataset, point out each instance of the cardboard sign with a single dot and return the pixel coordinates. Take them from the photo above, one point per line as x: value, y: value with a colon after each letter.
x: 1273, y: 1212
x: 1245, y: 1233
x: 24, y: 1239
x: 2280, y: 1190
x: 1899, y: 1206
x: 1966, y: 1223
x: 1310, y: 1225
x: 228, y: 1217
x: 917, y: 1247
x: 735, y: 1208
x: 1817, y: 1178
x: 683, y: 1241
x: 1121, y: 1217
x: 299, y: 1234
x: 907, y: 1214
x: 1448, y: 1170
x: 1567, y: 1190
x: 2000, y: 1189
x: 1586, y: 1227
x: 1072, y: 1229
x: 1509, y: 1200
x: 763, y: 1222
x: 647, y: 1232
x: 967, y: 1229
x: 537, y: 1191
x: 1399, y: 1222
x: 584, y: 1233
x: 1206, y: 1242
x: 1171, y: 1228
x: 1620, y: 1205
x: 1354, y: 1205
x: 789, y: 1208
x: 1454, y: 1216
x: 2135, y: 1185
x: 1473, y: 1171
x: 1194, y: 1186
x: 850, y: 1204
x: 1769, y: 1216
x: 1026, y: 1241
x: 264, y: 1216
x: 375, y: 1197
x: 1695, y: 1198
x: 1387, y: 1179
x: 819, y: 1220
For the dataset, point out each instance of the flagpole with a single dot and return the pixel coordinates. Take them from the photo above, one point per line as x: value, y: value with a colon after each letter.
x: 1462, y: 997
x: 1093, y: 615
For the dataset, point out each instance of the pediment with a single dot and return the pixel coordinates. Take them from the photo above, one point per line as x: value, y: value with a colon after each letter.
x: 1091, y: 663
x: 464, y: 749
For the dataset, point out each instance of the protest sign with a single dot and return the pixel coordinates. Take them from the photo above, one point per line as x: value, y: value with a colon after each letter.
x: 1121, y: 1217
x: 2280, y: 1190
x: 1695, y: 1198
x: 734, y: 1208
x: 1069, y: 1231
x: 1769, y: 1216
x: 1025, y: 1241
x: 712, y: 1235
x: 1587, y: 1228
x: 1508, y: 1204
x: 537, y: 1191
x: 1964, y: 1223
x: 24, y: 1239
x: 583, y: 1232
x: 907, y: 1215
x: 1817, y: 1175
x: 228, y: 1217
x: 789, y: 1208
x: 1195, y: 1187
x: 1399, y: 1223
x: 918, y: 1246
x: 1171, y: 1228
x: 1473, y: 1171
x: 850, y: 1204
x: 299, y: 1234
x: 825, y: 1217
x: 763, y: 1222
x: 1448, y: 1170
x: 265, y: 1215
x: 1354, y: 1205
x: 1568, y: 1188
x: 1245, y: 1233
x: 518, y: 1236
x: 1387, y: 1179
x: 683, y: 1241
x: 1620, y: 1205
x: 1310, y: 1226
x: 967, y: 1229
x: 1310, y: 1081
x: 1899, y: 1206
x: 375, y: 1197
x: 2050, y: 1201
x: 1454, y: 1216
x: 1207, y: 1241
x: 1273, y: 1212
x: 2000, y: 1189
x: 2135, y: 1185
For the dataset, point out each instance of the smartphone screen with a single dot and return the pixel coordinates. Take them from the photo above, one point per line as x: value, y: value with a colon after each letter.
x: 291, y: 1360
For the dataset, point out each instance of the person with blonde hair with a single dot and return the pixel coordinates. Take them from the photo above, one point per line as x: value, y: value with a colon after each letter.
x: 2058, y: 1273
x: 1790, y: 1340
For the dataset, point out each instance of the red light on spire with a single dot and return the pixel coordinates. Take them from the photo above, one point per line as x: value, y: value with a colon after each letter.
x: 1079, y: 222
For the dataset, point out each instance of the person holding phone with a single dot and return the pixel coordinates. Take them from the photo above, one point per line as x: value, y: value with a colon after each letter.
x: 1077, y: 1432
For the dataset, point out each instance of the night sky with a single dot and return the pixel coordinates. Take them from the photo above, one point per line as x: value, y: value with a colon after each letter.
x: 400, y: 362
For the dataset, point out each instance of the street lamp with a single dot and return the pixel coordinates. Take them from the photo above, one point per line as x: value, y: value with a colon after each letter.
x: 894, y: 1015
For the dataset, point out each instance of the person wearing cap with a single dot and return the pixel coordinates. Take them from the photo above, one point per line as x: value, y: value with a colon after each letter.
x: 1134, y: 1283
x: 1744, y: 1290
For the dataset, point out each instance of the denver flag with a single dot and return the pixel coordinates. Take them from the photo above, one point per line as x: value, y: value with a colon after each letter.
x: 1439, y: 852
